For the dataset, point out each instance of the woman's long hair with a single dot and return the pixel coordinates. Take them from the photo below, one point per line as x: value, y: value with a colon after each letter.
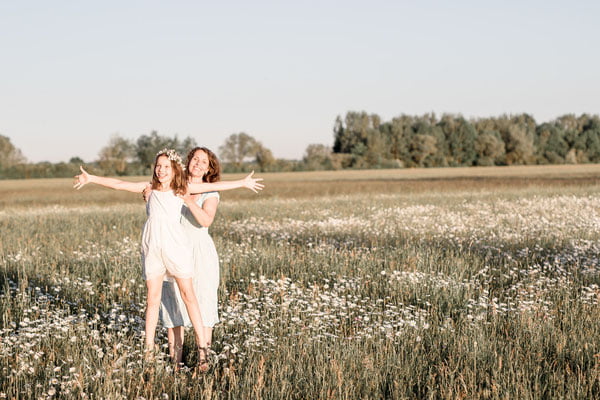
x: 178, y: 183
x: 214, y: 167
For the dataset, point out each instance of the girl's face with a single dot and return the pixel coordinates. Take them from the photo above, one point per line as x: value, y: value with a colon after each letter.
x: 163, y: 169
x: 199, y: 164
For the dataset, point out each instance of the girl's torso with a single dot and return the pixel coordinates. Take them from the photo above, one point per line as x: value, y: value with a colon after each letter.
x: 164, y: 206
x: 163, y: 227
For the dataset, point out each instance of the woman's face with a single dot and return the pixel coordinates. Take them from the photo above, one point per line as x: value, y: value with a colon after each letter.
x: 199, y: 164
x: 163, y: 169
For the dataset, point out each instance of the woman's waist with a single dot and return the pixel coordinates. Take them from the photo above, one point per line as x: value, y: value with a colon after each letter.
x: 173, y: 219
x: 194, y: 231
x: 159, y: 240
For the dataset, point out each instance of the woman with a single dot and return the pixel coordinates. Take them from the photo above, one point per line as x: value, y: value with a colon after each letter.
x: 197, y: 215
x: 166, y: 250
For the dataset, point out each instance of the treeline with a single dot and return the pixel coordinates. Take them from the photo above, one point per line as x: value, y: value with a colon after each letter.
x: 122, y: 157
x: 361, y: 140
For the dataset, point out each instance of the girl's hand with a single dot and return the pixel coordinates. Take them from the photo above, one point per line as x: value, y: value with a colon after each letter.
x: 81, y: 179
x: 252, y: 183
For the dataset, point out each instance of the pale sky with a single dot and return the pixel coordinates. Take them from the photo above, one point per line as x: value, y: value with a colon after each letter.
x: 76, y: 72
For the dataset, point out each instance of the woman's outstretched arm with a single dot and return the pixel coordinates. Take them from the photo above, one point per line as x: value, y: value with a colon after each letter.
x: 248, y: 182
x: 84, y: 178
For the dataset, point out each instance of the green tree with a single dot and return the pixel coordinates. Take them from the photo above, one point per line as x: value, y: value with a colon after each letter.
x: 340, y: 143
x: 114, y: 157
x: 569, y: 123
x: 422, y: 148
x: 317, y: 156
x: 237, y: 148
x: 550, y: 144
x: 585, y: 144
x: 264, y: 157
x: 489, y: 148
x: 459, y: 137
x: 76, y: 160
x: 10, y: 154
x: 147, y: 146
x: 377, y: 150
x: 428, y: 125
x: 355, y: 130
x: 519, y: 144
x: 400, y: 133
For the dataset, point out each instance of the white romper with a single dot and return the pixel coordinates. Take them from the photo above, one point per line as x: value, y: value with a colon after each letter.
x: 166, y: 249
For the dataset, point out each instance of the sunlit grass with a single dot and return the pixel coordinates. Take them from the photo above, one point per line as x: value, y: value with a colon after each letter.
x: 453, y: 289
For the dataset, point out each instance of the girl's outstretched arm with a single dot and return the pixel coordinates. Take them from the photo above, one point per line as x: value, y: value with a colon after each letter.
x: 248, y: 182
x: 84, y: 178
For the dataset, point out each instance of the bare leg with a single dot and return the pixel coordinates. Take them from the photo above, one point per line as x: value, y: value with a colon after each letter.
x: 191, y: 304
x: 154, y: 286
x: 175, y: 336
x: 207, y: 335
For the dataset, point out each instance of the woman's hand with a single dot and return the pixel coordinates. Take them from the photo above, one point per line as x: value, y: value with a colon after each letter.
x: 146, y: 192
x: 82, y: 179
x: 187, y: 198
x: 252, y: 183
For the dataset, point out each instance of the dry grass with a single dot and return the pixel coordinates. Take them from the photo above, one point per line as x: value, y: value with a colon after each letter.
x: 524, y: 171
x: 454, y: 283
x: 24, y: 193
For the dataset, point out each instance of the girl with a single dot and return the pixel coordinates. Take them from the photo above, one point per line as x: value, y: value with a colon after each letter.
x: 165, y: 247
x: 202, y: 166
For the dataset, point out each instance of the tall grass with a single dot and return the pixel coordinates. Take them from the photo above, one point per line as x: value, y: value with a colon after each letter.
x: 457, y: 289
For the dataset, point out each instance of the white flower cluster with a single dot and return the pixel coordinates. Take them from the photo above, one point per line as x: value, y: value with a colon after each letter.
x: 172, y: 155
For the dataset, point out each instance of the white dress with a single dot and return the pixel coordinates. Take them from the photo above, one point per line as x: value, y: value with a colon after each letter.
x: 206, y: 275
x: 166, y: 247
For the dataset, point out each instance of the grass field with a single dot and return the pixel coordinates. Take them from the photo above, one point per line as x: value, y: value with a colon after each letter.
x: 436, y: 283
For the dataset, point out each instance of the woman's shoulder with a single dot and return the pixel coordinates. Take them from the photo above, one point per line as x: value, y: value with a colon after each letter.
x: 210, y: 194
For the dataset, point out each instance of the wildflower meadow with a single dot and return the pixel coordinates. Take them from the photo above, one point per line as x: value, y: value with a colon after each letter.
x: 401, y: 284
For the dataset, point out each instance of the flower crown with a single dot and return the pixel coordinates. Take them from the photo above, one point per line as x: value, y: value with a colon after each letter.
x: 172, y: 156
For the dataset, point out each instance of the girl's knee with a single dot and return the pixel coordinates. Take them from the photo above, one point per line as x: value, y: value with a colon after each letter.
x: 153, y: 299
x: 187, y: 295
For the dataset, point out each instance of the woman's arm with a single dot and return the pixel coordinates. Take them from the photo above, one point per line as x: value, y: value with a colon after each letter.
x: 248, y: 182
x: 206, y: 214
x: 84, y: 178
